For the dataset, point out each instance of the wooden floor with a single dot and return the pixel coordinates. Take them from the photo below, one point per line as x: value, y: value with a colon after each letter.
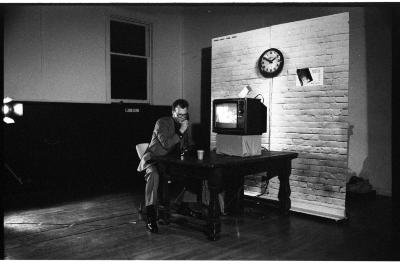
x: 109, y: 227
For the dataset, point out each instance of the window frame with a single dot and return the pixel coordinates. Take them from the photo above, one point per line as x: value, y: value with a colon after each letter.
x: 148, y: 56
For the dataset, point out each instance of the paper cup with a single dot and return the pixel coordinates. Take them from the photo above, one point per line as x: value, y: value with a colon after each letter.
x: 200, y: 154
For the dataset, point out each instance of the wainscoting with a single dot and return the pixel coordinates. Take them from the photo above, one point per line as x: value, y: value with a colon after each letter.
x: 74, y: 148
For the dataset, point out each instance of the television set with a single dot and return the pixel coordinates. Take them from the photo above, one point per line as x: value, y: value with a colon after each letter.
x: 239, y: 116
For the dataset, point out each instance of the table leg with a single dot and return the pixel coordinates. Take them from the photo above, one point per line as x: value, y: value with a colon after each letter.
x: 213, y: 227
x: 240, y: 195
x: 234, y: 192
x: 284, y: 187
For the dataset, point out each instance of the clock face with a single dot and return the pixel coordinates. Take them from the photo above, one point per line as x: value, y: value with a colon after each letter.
x: 270, y: 62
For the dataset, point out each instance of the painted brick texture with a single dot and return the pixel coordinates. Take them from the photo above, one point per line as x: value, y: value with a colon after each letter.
x: 310, y: 120
x: 234, y: 67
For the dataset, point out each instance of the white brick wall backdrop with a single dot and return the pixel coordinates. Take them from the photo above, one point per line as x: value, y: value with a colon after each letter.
x: 234, y: 65
x: 310, y: 120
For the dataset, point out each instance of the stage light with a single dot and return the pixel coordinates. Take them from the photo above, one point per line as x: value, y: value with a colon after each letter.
x: 8, y: 120
x: 18, y: 109
x: 6, y: 109
x: 11, y: 110
x: 7, y: 100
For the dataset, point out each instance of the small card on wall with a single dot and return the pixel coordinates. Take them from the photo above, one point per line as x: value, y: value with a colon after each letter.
x: 310, y: 76
x: 245, y: 91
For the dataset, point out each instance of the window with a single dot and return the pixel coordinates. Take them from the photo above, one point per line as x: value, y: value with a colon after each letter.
x: 130, y: 61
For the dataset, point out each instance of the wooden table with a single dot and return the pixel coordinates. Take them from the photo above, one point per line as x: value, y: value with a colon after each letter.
x: 222, y: 170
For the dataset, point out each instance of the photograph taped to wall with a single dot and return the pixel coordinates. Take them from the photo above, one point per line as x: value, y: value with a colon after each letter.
x: 310, y: 76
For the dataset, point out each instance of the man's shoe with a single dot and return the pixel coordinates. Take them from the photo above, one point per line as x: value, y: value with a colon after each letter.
x: 152, y: 227
x: 151, y: 224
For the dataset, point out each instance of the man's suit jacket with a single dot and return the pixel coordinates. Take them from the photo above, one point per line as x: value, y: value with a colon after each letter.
x: 163, y: 141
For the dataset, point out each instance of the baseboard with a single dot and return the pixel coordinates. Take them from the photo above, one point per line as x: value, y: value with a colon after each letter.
x: 333, y: 212
x: 383, y: 191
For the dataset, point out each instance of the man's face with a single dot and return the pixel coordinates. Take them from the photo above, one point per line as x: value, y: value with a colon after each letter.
x: 180, y: 114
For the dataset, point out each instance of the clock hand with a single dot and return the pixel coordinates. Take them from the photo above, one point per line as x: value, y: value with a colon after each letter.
x: 267, y: 59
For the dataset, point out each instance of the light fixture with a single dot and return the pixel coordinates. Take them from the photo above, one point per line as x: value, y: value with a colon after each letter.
x: 8, y: 120
x: 7, y: 100
x: 6, y: 109
x: 18, y: 109
x: 11, y: 110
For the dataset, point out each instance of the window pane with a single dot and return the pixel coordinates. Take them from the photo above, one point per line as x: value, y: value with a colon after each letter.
x: 128, y: 78
x: 128, y: 38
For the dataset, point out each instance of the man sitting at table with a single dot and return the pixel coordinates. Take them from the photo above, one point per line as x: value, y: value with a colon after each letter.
x: 169, y: 135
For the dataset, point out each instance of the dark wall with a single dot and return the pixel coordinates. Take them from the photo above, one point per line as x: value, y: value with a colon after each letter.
x: 395, y: 110
x: 205, y: 108
x: 378, y: 34
x: 73, y: 147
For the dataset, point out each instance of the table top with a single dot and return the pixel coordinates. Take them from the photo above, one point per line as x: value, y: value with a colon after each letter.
x: 212, y: 159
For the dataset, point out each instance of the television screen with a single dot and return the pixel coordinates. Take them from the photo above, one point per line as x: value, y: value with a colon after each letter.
x: 226, y: 115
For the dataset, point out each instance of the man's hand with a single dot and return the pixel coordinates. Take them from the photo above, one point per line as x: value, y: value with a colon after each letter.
x: 184, y: 126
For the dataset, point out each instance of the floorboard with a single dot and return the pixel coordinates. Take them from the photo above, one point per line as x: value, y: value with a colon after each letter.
x: 110, y: 227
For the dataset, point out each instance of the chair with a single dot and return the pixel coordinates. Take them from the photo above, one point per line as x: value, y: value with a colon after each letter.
x: 141, y: 148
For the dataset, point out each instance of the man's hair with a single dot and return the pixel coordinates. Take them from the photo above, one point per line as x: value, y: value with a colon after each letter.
x: 180, y: 102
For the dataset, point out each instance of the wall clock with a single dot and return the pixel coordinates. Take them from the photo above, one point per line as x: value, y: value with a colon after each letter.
x: 270, y: 63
